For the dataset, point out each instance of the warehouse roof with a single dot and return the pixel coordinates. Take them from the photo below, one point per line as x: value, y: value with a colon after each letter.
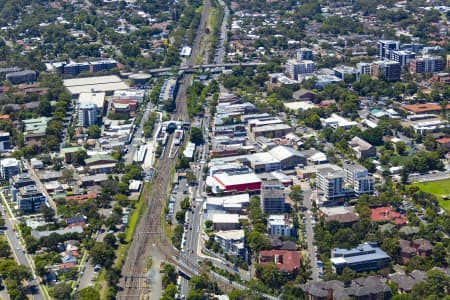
x: 283, y: 152
x: 228, y: 180
x: 97, y: 84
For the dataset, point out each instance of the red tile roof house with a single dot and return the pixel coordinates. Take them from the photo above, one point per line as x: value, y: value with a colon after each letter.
x: 287, y: 261
x: 386, y: 214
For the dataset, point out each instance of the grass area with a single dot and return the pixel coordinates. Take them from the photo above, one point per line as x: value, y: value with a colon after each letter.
x: 138, y: 211
x: 438, y: 188
x: 397, y: 160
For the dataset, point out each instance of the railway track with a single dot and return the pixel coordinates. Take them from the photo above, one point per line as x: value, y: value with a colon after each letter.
x: 148, y: 232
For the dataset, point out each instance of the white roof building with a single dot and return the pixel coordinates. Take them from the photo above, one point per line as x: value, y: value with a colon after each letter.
x: 336, y: 121
x: 87, y: 99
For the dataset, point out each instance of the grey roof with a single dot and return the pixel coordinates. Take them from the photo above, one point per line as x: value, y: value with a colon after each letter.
x: 359, y: 287
x: 283, y: 152
x: 364, y: 252
x: 405, y: 282
x: 40, y: 234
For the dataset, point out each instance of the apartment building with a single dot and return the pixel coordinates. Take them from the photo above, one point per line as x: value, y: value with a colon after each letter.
x: 273, y: 197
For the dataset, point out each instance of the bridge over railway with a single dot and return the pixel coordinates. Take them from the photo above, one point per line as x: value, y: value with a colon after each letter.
x: 204, y: 67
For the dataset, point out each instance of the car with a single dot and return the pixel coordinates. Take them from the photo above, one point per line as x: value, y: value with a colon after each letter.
x: 190, y: 228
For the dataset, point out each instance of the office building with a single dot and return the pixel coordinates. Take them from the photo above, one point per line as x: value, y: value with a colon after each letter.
x: 273, y: 197
x: 385, y: 47
x: 403, y: 57
x: 364, y: 68
x: 87, y: 115
x: 344, y: 72
x: 29, y: 199
x: 426, y: 64
x: 416, y: 47
x: 305, y: 54
x: 388, y: 70
x: 280, y: 225
x: 4, y: 141
x: 9, y: 167
x: 20, y: 180
x: 295, y: 68
x: 364, y: 258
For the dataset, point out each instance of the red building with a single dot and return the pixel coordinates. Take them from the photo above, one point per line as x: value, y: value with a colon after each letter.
x: 239, y: 183
x: 386, y: 214
x: 287, y: 261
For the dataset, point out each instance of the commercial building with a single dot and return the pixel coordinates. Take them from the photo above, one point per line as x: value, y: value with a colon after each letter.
x: 68, y: 68
x: 364, y: 68
x: 426, y: 64
x: 273, y: 197
x: 236, y: 183
x: 305, y: 54
x: 87, y: 115
x: 288, y: 262
x: 108, y: 84
x: 4, y: 141
x: 21, y: 76
x: 281, y: 225
x: 403, y: 57
x: 344, y: 72
x: 37, y: 125
x: 294, y: 68
x: 364, y: 258
x: 263, y: 162
x: 229, y: 204
x: 29, y: 199
x: 388, y: 70
x: 362, y: 148
x: 225, y: 221
x: 385, y: 47
x: 271, y: 131
x: 363, y: 288
x: 323, y: 80
x: 232, y: 242
x: 9, y: 167
x: 21, y: 180
x: 335, y: 121
x: 101, y: 163
x: 288, y: 157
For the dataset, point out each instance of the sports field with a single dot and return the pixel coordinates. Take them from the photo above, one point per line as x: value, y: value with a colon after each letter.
x: 440, y: 188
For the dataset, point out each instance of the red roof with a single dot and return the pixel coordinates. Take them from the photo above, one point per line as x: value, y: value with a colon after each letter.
x: 443, y: 141
x: 68, y: 265
x: 285, y: 260
x: 386, y: 213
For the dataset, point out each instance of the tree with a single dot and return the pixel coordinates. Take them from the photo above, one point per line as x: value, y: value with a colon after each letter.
x: 197, y: 136
x: 47, y: 212
x: 270, y: 275
x: 102, y: 255
x: 62, y: 291
x: 439, y: 255
x: 94, y: 132
x: 401, y: 148
x: 110, y: 240
x: 4, y: 249
x: 89, y: 293
x: 435, y: 286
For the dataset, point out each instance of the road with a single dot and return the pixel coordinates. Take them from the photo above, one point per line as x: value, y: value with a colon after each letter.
x: 220, y: 53
x: 195, y: 221
x: 18, y: 251
x: 307, y: 202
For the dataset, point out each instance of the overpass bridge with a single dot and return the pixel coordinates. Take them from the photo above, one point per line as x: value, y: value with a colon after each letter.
x: 203, y: 67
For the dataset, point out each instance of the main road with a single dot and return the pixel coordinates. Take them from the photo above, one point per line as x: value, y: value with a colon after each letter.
x: 18, y: 250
